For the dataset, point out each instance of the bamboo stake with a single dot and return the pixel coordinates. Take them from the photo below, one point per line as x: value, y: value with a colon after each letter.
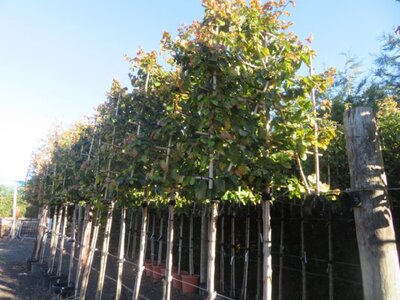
x: 246, y: 256
x: 160, y: 245
x: 142, y: 252
x: 104, y: 251
x: 121, y: 254
x: 232, y: 291
x: 72, y: 254
x: 88, y: 266
x: 222, y: 256
x: 62, y: 241
x: 134, y: 239
x: 281, y: 252
x: 169, y: 257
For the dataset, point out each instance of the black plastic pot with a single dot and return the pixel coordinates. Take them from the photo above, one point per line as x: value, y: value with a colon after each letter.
x: 30, y: 261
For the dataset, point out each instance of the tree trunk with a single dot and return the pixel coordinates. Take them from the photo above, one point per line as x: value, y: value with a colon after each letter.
x: 281, y: 253
x: 267, y: 267
x: 84, y: 245
x: 303, y: 256
x: 62, y: 241
x: 134, y: 238
x: 142, y: 253
x: 374, y: 225
x: 180, y: 245
x: 222, y: 256
x: 53, y: 238
x: 92, y: 249
x: 232, y: 292
x: 56, y: 238
x: 330, y: 253
x: 152, y: 239
x: 160, y: 241
x: 129, y: 235
x: 203, y: 246
x: 72, y: 253
x: 212, y: 239
x: 259, y: 256
x: 121, y: 254
x: 191, y: 256
x: 169, y: 257
x: 104, y: 251
x: 246, y: 256
x: 41, y: 231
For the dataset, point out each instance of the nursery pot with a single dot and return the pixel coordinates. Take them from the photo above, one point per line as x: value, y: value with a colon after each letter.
x: 190, y: 283
x: 177, y: 279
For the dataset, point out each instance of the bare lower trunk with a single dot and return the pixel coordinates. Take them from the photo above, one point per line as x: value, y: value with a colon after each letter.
x: 169, y: 258
x: 41, y: 231
x: 191, y: 257
x: 222, y: 256
x: 72, y: 253
x: 142, y: 253
x: 160, y: 242
x: 281, y: 252
x: 88, y: 267
x: 180, y: 245
x: 246, y: 256
x: 303, y: 257
x: 104, y: 252
x: 134, y: 238
x: 62, y: 241
x: 267, y: 266
x: 56, y: 238
x: 203, y: 246
x: 212, y: 239
x: 232, y: 292
x: 121, y: 254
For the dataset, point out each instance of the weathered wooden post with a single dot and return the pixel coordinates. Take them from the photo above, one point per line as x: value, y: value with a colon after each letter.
x: 374, y: 226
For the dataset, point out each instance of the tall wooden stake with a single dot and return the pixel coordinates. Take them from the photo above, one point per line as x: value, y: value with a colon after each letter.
x: 121, y: 254
x: 142, y: 253
x: 374, y: 224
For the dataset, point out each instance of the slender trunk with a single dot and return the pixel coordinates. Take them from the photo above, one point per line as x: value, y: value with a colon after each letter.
x: 152, y: 242
x: 142, y: 253
x: 191, y: 257
x: 80, y: 223
x: 330, y: 253
x: 134, y: 239
x: 72, y: 253
x: 169, y: 257
x: 104, y: 251
x: 281, y: 253
x: 53, y: 237
x: 160, y: 241
x: 92, y: 249
x: 267, y: 266
x: 56, y: 238
x: 374, y: 223
x: 222, y: 256
x: 129, y: 235
x: 232, y: 292
x: 62, y: 241
x: 41, y: 231
x: 84, y: 247
x: 180, y: 245
x: 212, y: 239
x: 203, y: 246
x: 121, y: 254
x: 303, y: 255
x: 259, y: 256
x: 246, y: 256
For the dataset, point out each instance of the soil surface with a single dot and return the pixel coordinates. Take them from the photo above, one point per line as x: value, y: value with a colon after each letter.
x: 18, y: 283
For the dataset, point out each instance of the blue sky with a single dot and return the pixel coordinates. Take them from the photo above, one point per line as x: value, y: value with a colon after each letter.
x: 58, y: 58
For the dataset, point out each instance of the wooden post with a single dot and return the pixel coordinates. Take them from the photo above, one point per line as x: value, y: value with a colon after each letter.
x: 267, y: 266
x: 104, y: 251
x: 169, y: 257
x: 121, y: 254
x: 142, y: 252
x: 374, y: 225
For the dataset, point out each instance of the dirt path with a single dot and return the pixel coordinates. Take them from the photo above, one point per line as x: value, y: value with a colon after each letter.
x: 16, y: 282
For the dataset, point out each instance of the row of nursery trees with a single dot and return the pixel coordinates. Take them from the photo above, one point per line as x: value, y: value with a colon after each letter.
x: 221, y: 114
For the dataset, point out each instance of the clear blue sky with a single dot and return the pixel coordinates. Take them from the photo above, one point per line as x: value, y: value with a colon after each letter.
x: 58, y: 58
